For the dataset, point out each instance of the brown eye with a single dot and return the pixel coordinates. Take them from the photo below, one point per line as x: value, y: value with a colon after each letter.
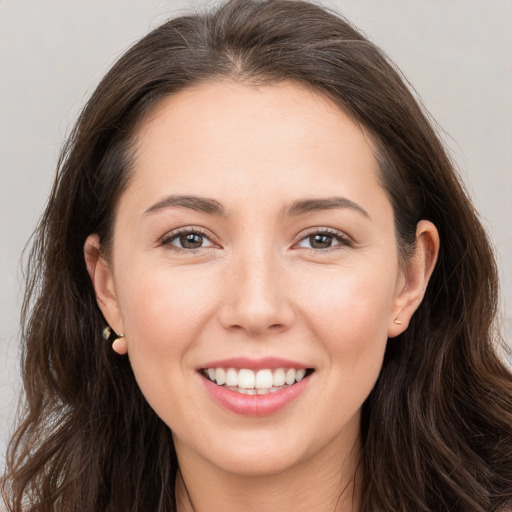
x: 191, y: 240
x: 323, y: 240
x: 188, y: 240
x: 320, y: 241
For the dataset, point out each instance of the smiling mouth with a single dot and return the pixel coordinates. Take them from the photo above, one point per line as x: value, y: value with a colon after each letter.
x: 260, y: 382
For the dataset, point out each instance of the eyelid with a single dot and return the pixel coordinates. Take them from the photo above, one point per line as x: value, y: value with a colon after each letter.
x: 344, y: 239
x: 166, y: 239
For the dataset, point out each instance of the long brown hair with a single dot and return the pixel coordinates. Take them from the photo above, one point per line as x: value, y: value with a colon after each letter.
x: 437, y: 427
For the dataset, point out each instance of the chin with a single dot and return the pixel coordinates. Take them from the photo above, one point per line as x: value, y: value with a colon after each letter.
x: 258, y: 464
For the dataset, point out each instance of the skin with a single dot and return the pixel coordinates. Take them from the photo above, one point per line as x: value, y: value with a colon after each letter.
x: 258, y: 286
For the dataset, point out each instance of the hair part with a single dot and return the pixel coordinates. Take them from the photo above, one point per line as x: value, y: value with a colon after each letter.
x: 437, y: 427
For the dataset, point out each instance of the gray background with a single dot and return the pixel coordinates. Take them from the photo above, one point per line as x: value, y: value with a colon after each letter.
x: 457, y: 53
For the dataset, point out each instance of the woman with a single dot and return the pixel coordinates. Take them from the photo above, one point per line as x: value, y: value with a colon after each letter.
x: 258, y: 285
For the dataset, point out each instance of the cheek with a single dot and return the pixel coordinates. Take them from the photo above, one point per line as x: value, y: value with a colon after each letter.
x: 349, y: 316
x: 163, y: 310
x: 351, y: 301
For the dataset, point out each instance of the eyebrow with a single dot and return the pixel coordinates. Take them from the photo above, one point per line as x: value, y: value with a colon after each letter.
x: 213, y: 207
x: 313, y: 205
x: 200, y: 204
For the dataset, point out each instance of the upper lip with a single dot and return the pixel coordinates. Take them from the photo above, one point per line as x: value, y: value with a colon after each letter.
x: 255, y: 364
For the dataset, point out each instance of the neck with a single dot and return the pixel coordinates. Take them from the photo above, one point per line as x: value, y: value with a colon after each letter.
x: 325, y: 483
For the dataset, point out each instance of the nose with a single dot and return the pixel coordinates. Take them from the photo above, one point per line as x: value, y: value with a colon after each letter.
x: 256, y: 296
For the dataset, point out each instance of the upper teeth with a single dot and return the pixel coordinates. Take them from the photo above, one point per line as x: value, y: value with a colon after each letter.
x: 248, y: 379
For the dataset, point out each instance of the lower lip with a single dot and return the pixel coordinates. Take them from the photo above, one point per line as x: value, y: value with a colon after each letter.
x: 255, y: 405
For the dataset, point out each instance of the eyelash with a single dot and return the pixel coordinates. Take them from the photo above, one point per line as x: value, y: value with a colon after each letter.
x: 175, y: 235
x: 342, y: 239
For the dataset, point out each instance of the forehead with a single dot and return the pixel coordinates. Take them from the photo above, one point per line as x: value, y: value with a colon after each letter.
x: 226, y: 138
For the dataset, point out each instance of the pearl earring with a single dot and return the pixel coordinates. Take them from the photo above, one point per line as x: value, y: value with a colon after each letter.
x: 113, y: 337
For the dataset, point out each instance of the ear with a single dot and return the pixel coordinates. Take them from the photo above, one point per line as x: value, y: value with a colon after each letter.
x: 102, y: 279
x: 414, y: 278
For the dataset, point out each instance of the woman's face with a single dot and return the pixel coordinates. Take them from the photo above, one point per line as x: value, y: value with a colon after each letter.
x: 254, y: 242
